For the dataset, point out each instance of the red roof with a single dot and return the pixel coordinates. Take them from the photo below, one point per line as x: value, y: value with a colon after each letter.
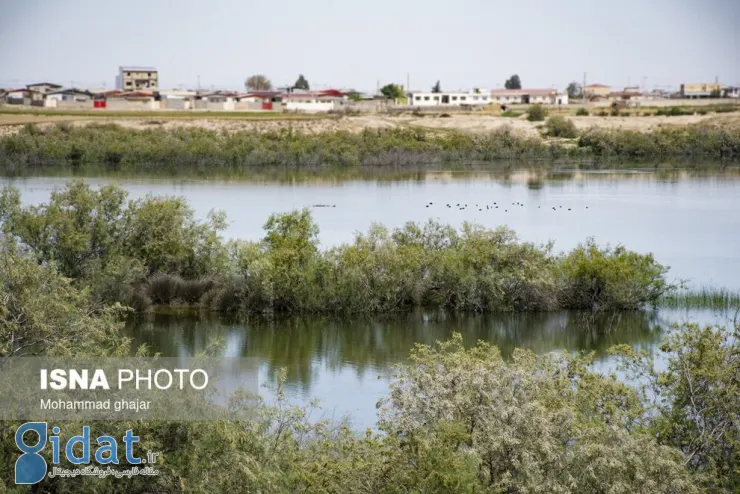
x: 597, y: 85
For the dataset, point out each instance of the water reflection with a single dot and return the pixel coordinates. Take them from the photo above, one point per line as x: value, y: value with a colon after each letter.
x: 374, y: 344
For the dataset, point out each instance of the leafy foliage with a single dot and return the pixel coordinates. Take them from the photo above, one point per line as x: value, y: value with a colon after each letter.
x: 42, y: 313
x: 574, y: 90
x: 258, y: 82
x: 437, y: 88
x: 301, y: 83
x: 559, y: 126
x: 537, y: 113
x: 513, y: 82
x: 392, y: 91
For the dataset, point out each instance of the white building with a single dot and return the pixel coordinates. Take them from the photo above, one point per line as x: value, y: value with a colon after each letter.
x: 529, y: 96
x: 732, y: 91
x: 447, y: 98
x: 310, y: 102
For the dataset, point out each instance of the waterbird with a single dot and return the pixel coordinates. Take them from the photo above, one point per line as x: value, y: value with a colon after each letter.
x: 568, y: 209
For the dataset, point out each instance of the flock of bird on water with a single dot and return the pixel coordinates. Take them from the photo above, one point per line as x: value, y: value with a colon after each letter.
x: 495, y: 205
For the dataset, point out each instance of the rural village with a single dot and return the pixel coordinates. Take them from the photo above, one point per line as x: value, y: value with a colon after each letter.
x: 138, y: 88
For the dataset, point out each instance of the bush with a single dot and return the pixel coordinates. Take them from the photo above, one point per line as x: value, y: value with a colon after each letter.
x: 537, y: 113
x: 511, y: 114
x: 162, y: 289
x: 582, y: 112
x: 558, y: 126
x: 594, y: 278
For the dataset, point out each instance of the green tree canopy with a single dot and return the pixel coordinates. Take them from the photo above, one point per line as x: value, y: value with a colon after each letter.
x: 573, y: 90
x: 513, y: 82
x: 437, y: 88
x: 258, y: 82
x: 301, y: 83
x: 392, y: 91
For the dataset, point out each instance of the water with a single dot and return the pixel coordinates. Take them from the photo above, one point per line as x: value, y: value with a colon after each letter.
x: 690, y: 222
x: 346, y: 363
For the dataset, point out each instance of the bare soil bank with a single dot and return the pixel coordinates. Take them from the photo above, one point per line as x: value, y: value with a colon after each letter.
x: 10, y: 123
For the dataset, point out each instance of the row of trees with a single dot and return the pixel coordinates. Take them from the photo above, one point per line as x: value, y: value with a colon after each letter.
x: 260, y: 82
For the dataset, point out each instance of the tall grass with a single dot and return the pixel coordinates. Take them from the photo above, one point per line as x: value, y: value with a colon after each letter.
x: 702, y: 298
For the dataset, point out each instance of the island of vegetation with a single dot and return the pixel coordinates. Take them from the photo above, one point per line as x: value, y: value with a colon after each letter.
x: 153, y: 252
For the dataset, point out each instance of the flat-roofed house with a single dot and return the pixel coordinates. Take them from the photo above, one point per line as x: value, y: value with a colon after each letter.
x: 43, y: 87
x: 529, y: 96
x: 476, y: 97
x: 596, y: 90
x: 137, y: 78
x: 701, y: 90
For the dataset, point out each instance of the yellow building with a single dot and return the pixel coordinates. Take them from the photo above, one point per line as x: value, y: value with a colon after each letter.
x: 137, y: 78
x: 700, y: 90
x: 596, y: 90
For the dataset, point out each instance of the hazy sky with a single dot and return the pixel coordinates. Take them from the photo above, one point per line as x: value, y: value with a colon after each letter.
x: 463, y: 43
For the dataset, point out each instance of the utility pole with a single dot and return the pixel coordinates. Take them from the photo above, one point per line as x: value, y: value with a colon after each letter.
x: 583, y: 91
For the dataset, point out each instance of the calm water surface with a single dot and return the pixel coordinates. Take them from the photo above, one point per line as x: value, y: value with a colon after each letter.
x: 346, y: 362
x: 689, y: 222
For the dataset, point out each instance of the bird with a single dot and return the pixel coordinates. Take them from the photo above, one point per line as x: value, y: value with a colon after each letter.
x: 586, y: 207
x: 554, y: 209
x: 538, y: 207
x: 568, y: 209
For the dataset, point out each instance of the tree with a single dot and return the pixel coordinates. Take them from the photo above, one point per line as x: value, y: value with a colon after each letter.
x: 301, y: 83
x: 513, y: 82
x: 258, y: 82
x: 392, y: 91
x: 42, y: 312
x: 437, y: 88
x: 574, y: 90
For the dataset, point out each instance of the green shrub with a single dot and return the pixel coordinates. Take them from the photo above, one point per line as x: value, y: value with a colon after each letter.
x: 558, y: 126
x: 537, y: 113
x: 582, y: 112
x: 162, y: 289
x: 511, y: 114
x: 593, y: 278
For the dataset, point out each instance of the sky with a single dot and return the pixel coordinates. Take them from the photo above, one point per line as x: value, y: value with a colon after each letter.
x: 360, y: 44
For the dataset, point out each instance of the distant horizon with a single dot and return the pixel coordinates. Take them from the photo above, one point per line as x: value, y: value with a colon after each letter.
x: 79, y: 43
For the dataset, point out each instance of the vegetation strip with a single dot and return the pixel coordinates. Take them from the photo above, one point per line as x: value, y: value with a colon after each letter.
x: 174, y: 150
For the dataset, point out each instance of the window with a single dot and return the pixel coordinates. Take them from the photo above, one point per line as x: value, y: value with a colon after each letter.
x: 436, y: 98
x: 484, y: 98
x: 462, y: 98
x: 418, y: 97
x: 426, y: 98
x: 148, y: 74
x: 454, y: 98
x: 475, y: 98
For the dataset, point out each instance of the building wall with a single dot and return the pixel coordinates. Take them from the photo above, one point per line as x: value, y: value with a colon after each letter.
x: 309, y: 105
x: 700, y: 89
x: 597, y: 91
x: 449, y: 99
x: 124, y: 104
x: 132, y: 80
